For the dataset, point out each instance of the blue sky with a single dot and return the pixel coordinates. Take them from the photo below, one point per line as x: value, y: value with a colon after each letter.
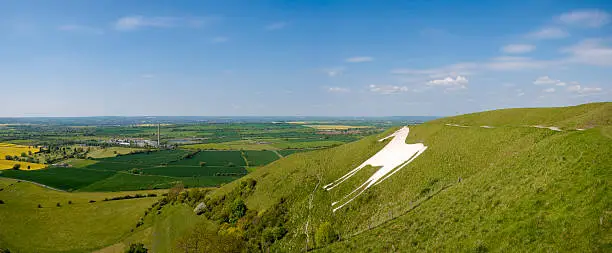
x: 317, y: 58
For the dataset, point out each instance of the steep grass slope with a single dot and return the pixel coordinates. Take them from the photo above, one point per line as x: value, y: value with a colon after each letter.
x: 76, y: 225
x: 511, y: 187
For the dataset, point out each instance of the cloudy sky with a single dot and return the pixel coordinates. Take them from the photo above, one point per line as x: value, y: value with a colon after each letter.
x: 319, y: 58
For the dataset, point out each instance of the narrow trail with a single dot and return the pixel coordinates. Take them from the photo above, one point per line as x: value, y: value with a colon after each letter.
x: 553, y: 128
x: 278, y: 154
x: 311, y: 198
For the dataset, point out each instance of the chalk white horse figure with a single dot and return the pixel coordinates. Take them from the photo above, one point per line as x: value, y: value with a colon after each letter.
x: 391, y: 158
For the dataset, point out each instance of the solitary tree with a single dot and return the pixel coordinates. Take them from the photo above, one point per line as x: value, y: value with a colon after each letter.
x: 16, y: 166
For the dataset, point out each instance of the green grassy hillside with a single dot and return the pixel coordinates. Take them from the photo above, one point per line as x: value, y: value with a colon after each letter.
x: 76, y: 225
x: 571, y: 117
x: 512, y: 187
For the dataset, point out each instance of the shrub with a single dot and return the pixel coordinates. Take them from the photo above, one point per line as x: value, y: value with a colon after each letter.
x: 325, y: 234
x: 69, y: 202
x: 1, y: 202
x: 238, y: 210
x: 39, y: 206
x: 140, y: 222
x: 58, y: 204
x: 270, y: 235
x: 16, y: 166
x: 8, y: 157
x: 202, y: 164
x: 92, y: 201
x: 137, y: 248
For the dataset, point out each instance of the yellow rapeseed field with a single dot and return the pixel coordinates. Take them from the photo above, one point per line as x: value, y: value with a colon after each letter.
x: 16, y: 150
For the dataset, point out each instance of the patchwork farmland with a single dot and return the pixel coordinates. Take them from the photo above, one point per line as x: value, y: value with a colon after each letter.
x: 147, y: 170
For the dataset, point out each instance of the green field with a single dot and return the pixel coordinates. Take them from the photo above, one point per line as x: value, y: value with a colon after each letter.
x: 315, y: 144
x: 150, y: 157
x: 214, y: 158
x: 233, y: 145
x: 77, y: 227
x: 141, y: 171
x: 107, y: 165
x: 80, y: 163
x: 110, y: 152
x: 60, y: 178
x: 259, y: 158
x: 191, y: 171
x: 125, y: 182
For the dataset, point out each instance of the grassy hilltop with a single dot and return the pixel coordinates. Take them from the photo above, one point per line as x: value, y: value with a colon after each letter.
x: 508, y: 187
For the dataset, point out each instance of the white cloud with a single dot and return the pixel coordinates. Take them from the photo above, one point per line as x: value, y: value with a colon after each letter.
x: 518, y: 48
x: 591, y: 52
x: 276, y: 26
x: 80, y: 29
x: 333, y: 72
x: 585, y: 18
x: 459, y: 82
x: 387, y: 89
x: 219, y: 39
x: 338, y: 89
x: 358, y: 59
x: 129, y: 23
x: 462, y: 68
x: 546, y: 80
x: 584, y: 90
x: 549, y: 90
x: 548, y: 33
x: 505, y: 63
